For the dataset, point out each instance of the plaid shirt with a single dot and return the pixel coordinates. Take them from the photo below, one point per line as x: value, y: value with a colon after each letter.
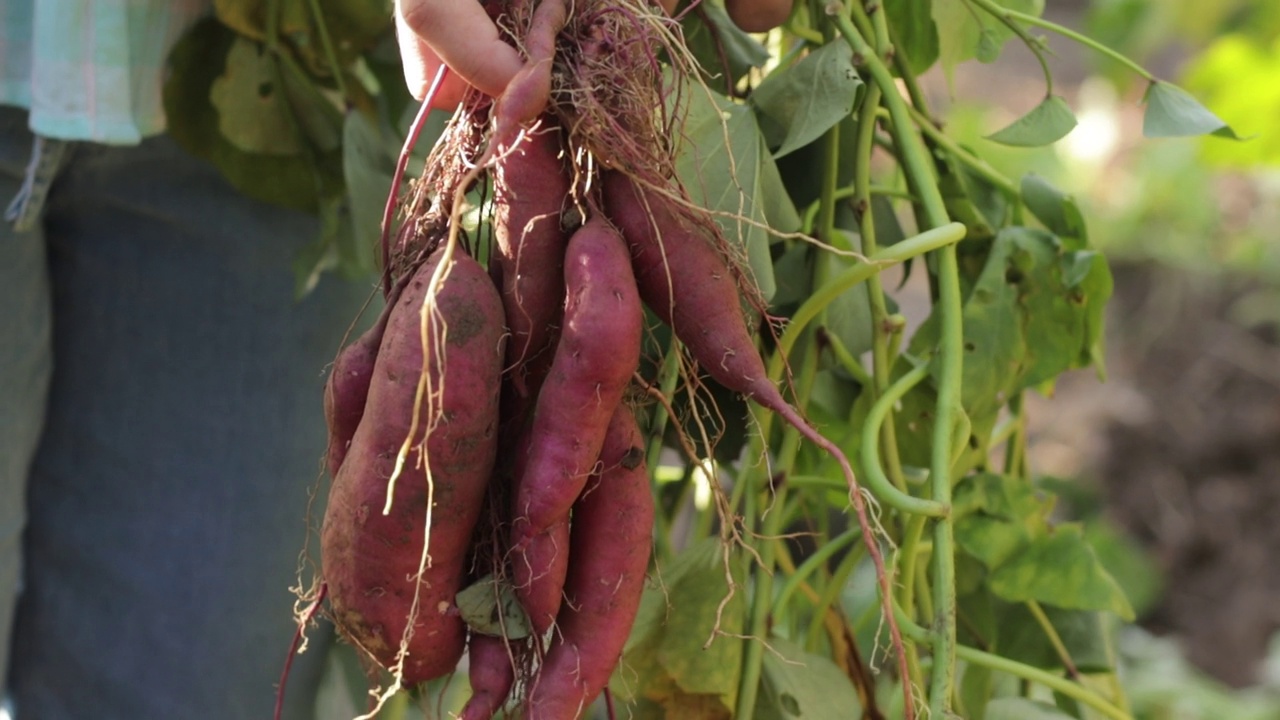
x: 90, y: 69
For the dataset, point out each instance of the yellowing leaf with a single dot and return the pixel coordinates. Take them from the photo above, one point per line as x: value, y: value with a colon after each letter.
x: 253, y: 113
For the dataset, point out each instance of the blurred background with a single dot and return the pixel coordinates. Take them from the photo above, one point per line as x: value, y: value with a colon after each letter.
x: 1176, y: 456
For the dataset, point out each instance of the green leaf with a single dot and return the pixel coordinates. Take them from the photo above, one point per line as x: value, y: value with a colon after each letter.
x: 493, y: 610
x: 976, y: 686
x: 988, y: 46
x: 1010, y: 630
x: 914, y: 422
x: 299, y: 180
x: 668, y: 660
x: 1016, y: 708
x: 699, y: 661
x: 914, y: 33
x: 1173, y: 112
x: 367, y: 166
x: 797, y: 104
x: 1095, y: 287
x: 1132, y: 565
x: 1061, y: 569
x: 353, y: 26
x: 970, y: 31
x: 253, y: 112
x: 1056, y: 209
x: 849, y: 315
x: 997, y: 517
x: 715, y: 42
x: 723, y: 163
x: 799, y: 684
x: 972, y: 200
x: 888, y: 229
x: 1045, y: 124
x: 1034, y: 311
x: 1023, y: 638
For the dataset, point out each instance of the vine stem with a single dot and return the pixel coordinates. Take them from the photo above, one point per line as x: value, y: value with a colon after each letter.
x: 326, y: 42
x: 1001, y: 11
x: 812, y: 563
x: 1055, y: 639
x: 397, y: 176
x: 973, y: 162
x: 762, y: 597
x: 1031, y: 44
x: 948, y: 364
x: 873, y: 475
x: 929, y: 240
x: 670, y: 375
x: 881, y: 358
x: 307, y: 616
x: 1017, y: 669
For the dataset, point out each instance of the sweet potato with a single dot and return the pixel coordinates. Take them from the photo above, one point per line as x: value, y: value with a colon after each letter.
x: 531, y: 184
x: 347, y: 388
x: 757, y: 16
x: 689, y: 285
x: 598, y: 352
x: 370, y: 559
x: 492, y: 674
x: 538, y: 572
x: 527, y: 95
x: 685, y: 280
x: 611, y: 537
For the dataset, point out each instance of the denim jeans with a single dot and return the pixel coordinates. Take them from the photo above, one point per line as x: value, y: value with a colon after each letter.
x: 160, y: 433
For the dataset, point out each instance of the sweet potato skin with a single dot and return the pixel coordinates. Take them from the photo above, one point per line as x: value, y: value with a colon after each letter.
x: 688, y: 284
x: 347, y: 388
x: 597, y: 355
x: 610, y: 546
x: 531, y: 185
x: 369, y: 560
x: 491, y: 674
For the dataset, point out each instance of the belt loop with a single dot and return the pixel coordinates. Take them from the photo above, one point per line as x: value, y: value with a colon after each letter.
x: 47, y: 158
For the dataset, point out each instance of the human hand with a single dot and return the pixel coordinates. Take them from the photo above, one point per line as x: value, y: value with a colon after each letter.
x: 457, y: 33
x: 460, y: 34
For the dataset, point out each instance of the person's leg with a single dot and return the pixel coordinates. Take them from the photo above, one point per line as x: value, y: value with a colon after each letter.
x: 25, y: 365
x: 184, y: 433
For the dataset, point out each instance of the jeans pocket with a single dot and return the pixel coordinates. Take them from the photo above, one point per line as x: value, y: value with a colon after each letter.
x: 48, y: 157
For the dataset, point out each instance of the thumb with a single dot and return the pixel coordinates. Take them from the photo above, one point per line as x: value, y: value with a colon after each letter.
x: 421, y: 64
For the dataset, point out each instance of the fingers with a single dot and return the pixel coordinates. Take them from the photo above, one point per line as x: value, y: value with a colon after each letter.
x: 460, y: 34
x: 420, y: 66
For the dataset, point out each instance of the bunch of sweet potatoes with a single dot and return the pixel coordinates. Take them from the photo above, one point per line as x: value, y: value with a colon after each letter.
x: 492, y: 402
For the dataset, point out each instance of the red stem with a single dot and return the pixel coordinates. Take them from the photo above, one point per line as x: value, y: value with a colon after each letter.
x: 293, y: 647
x: 389, y: 210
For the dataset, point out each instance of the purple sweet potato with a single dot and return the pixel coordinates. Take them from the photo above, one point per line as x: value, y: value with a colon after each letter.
x: 531, y: 185
x: 611, y: 538
x: 597, y: 355
x: 347, y: 388
x: 492, y: 673
x: 370, y: 560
